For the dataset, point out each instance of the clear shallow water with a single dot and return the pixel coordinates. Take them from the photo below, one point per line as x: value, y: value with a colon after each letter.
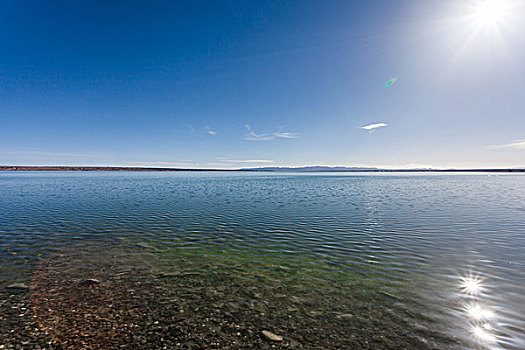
x: 332, y: 260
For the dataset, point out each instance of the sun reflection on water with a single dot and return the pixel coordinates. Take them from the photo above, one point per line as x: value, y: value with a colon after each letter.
x: 471, y: 285
x: 483, y: 334
x: 481, y: 318
x: 477, y: 312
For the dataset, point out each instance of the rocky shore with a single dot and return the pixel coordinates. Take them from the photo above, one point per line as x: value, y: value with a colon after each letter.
x: 85, y: 301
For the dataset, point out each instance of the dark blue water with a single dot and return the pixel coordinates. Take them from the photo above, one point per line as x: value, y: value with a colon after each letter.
x: 438, y: 259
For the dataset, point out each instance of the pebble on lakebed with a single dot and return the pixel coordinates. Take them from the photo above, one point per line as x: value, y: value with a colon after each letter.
x: 90, y: 299
x: 17, y: 286
x: 271, y: 336
x: 89, y: 282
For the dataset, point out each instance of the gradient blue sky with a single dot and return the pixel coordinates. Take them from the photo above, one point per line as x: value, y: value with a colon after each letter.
x: 228, y: 84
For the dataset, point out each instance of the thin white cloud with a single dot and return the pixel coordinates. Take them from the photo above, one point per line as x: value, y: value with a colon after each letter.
x: 246, y: 160
x: 519, y: 144
x: 373, y: 126
x: 163, y: 163
x: 252, y: 136
x: 210, y: 131
x: 177, y: 164
x: 51, y: 154
x: 286, y: 135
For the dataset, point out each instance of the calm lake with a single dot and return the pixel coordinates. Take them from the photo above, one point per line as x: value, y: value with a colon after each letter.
x: 95, y: 260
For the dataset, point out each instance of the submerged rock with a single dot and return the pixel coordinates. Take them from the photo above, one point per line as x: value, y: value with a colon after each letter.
x: 390, y: 295
x: 271, y: 336
x: 169, y: 274
x: 89, y: 282
x: 17, y: 286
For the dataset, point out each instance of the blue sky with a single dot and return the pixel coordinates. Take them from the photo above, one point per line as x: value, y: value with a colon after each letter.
x: 229, y: 84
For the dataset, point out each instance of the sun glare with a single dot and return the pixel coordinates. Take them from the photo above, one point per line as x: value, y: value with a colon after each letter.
x: 491, y: 12
x: 483, y: 334
x: 471, y: 285
x: 476, y: 312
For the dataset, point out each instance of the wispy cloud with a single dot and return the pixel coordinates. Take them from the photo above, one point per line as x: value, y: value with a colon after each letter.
x: 50, y: 154
x: 519, y: 144
x: 286, y: 135
x: 373, y: 126
x: 245, y: 160
x: 210, y: 131
x: 253, y: 136
x: 177, y: 164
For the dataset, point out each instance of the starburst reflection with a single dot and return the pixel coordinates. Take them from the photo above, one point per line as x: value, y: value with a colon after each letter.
x: 483, y: 334
x: 476, y: 312
x: 480, y: 318
x: 471, y: 285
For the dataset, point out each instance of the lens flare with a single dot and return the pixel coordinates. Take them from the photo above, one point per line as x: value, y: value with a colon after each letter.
x: 390, y: 82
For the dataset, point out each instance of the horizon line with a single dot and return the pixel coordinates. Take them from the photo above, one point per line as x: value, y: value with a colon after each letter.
x: 269, y: 169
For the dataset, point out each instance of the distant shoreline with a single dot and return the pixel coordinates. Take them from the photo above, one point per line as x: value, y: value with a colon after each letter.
x: 97, y: 168
x: 281, y: 170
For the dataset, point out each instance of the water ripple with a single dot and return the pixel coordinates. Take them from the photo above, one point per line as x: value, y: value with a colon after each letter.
x: 443, y: 253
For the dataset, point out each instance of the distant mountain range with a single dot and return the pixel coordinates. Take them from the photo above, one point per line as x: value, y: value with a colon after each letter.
x: 308, y: 169
x: 311, y: 169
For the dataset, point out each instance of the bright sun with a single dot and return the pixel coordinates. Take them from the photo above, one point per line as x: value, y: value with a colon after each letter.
x: 491, y: 12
